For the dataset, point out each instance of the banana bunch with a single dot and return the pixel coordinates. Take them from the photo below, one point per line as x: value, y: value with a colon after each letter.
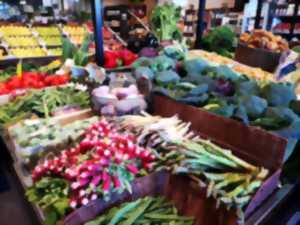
x: 229, y: 179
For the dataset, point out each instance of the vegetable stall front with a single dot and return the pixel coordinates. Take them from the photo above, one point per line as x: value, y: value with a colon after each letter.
x: 174, y: 137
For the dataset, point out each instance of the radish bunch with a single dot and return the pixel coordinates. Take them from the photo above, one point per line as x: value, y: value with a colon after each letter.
x: 105, y: 161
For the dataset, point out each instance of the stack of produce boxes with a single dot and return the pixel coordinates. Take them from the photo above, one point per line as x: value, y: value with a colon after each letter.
x: 20, y: 42
x: 75, y: 33
x: 50, y: 37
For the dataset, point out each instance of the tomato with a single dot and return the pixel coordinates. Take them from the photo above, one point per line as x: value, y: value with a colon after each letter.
x: 3, y: 89
x: 14, y: 82
x: 63, y: 79
x: 39, y: 85
x: 48, y: 80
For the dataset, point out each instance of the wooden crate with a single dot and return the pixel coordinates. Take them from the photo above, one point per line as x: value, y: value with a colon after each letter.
x: 251, y: 144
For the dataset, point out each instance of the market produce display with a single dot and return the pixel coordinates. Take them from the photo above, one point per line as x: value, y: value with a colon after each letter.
x: 28, y: 52
x: 220, y: 90
x: 143, y: 211
x: 41, y: 41
x: 52, y: 40
x: 156, y: 131
x: 76, y: 33
x: 220, y: 40
x: 110, y: 156
x: 19, y: 41
x: 74, y: 30
x: 42, y: 102
x: 110, y: 42
x: 46, y: 31
x: 229, y: 179
x: 105, y: 161
x: 39, y: 137
x: 31, y: 80
x: 264, y: 40
x: 118, y: 101
x: 120, y: 58
x: 55, y: 51
x: 164, y: 21
x: 251, y: 72
x: 15, y: 30
x: 110, y: 146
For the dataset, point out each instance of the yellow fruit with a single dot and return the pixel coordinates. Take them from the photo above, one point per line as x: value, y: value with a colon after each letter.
x: 14, y: 30
x: 20, y: 41
x: 55, y: 51
x: 52, y: 40
x: 75, y: 30
x: 47, y: 31
x: 28, y: 52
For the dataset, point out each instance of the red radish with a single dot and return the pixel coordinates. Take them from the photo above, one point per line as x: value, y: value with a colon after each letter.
x: 83, y: 182
x: 132, y: 168
x: 85, y: 201
x: 116, y: 182
x: 82, y: 193
x: 94, y: 197
x: 90, y: 165
x: 73, y: 203
x: 95, y: 181
x: 75, y: 185
x: 106, y: 184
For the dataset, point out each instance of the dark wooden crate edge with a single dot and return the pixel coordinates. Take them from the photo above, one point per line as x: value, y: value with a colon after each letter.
x: 252, y: 144
x: 190, y: 114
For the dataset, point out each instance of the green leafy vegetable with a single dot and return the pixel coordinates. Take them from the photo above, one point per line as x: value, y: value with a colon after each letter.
x: 33, y: 102
x: 220, y: 40
x: 166, y: 77
x: 164, y: 21
x: 51, y: 195
x: 254, y: 105
x: 279, y: 94
x: 195, y: 66
x: 144, y: 211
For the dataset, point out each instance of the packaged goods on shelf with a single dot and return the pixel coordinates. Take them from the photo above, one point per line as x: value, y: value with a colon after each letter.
x: 282, y: 28
x: 297, y: 28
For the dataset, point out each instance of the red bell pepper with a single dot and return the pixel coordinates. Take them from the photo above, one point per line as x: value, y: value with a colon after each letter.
x: 128, y: 57
x: 110, y: 60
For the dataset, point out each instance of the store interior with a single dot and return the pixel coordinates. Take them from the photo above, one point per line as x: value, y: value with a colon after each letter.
x: 149, y: 112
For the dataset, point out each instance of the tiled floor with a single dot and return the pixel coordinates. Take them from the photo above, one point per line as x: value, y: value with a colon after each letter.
x: 14, y: 209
